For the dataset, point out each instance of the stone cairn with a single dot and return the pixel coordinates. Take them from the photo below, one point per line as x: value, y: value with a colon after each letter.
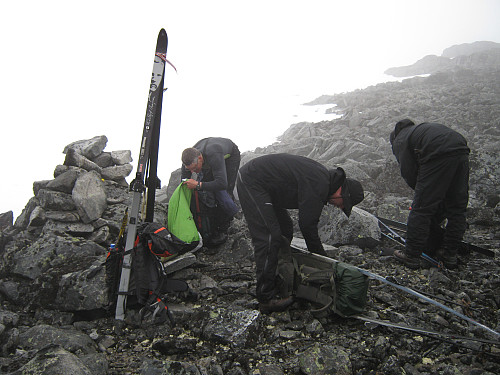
x: 83, y: 189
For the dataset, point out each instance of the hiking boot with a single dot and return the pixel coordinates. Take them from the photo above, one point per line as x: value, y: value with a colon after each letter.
x: 275, y: 305
x: 412, y: 262
x: 450, y: 261
x: 217, y: 239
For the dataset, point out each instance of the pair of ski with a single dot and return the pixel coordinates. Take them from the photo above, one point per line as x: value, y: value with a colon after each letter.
x: 390, y: 229
x: 146, y: 181
x: 419, y: 295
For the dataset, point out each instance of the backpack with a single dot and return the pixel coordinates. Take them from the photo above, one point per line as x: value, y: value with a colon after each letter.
x: 204, y: 210
x: 158, y: 239
x: 180, y: 218
x: 148, y: 281
x: 331, y: 286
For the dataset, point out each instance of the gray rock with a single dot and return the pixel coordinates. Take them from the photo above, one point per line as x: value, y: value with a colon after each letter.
x: 76, y: 160
x: 324, y: 360
x: 89, y: 196
x: 179, y: 263
x: 6, y: 220
x: 103, y: 160
x: 8, y: 318
x: 50, y: 252
x: 10, y: 289
x: 71, y: 340
x: 116, y: 172
x: 60, y: 169
x: 121, y: 157
x: 76, y: 229
x: 23, y: 219
x: 64, y: 216
x: 54, y: 360
x: 83, y: 290
x: 233, y: 327
x: 90, y: 148
x: 55, y: 200
x: 37, y: 217
x: 361, y: 228
x: 64, y: 182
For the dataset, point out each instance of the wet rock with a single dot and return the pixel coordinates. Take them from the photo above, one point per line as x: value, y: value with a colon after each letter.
x: 71, y: 340
x: 234, y: 327
x: 54, y: 360
x: 325, y: 359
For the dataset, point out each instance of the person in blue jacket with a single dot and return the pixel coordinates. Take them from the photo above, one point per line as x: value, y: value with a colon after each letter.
x: 215, y: 161
x: 434, y: 162
x: 269, y: 185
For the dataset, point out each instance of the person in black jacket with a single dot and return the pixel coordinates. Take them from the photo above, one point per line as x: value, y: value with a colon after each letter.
x: 215, y: 162
x: 267, y: 186
x: 434, y: 161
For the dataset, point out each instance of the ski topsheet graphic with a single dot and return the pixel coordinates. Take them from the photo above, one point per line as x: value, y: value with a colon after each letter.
x: 146, y: 180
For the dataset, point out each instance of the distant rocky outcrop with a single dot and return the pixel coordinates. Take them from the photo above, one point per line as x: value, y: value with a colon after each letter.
x: 478, y: 55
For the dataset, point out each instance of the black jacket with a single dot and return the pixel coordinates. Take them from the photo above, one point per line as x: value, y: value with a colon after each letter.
x: 214, y: 151
x: 296, y: 182
x: 418, y: 144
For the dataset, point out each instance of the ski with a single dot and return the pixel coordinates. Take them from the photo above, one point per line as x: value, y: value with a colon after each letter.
x: 389, y: 233
x: 398, y: 226
x: 407, y: 290
x: 146, y: 179
x: 423, y: 330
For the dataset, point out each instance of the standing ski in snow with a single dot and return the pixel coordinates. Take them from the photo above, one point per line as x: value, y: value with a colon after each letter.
x: 216, y: 162
x: 434, y: 161
x: 269, y: 185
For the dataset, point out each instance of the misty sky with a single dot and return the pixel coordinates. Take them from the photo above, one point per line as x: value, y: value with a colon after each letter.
x: 72, y: 70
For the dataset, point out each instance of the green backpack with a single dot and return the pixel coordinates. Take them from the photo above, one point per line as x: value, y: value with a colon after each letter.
x: 330, y: 285
x: 180, y: 219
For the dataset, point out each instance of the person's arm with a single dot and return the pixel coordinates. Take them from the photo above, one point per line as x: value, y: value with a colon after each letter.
x: 310, y: 209
x: 407, y: 162
x: 218, y: 165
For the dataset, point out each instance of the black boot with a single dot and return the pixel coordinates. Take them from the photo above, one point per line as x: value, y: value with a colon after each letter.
x: 275, y: 305
x: 448, y: 257
x: 410, y: 261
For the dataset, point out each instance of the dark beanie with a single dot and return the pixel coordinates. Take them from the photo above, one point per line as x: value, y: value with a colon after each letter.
x: 401, y: 125
x: 352, y: 194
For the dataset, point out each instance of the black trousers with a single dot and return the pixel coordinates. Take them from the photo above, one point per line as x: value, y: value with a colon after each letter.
x: 267, y: 224
x: 232, y: 165
x: 442, y: 191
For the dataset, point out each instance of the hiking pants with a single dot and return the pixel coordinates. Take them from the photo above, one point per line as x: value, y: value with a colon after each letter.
x: 442, y: 191
x: 267, y: 224
x: 223, y: 220
x: 232, y: 166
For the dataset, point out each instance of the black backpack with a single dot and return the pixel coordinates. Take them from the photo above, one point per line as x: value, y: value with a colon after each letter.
x: 204, y: 210
x: 148, y: 283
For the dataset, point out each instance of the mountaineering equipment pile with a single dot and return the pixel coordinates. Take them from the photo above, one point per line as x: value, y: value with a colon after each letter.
x: 344, y: 292
x: 331, y: 285
x: 148, y: 279
x: 146, y: 175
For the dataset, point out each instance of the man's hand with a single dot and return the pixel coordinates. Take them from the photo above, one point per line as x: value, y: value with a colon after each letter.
x: 190, y: 183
